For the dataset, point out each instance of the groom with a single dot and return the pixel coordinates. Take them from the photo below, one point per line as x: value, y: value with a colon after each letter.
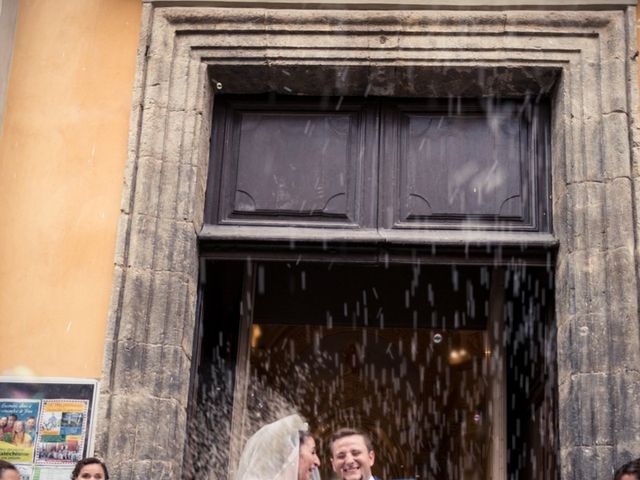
x: 352, y: 454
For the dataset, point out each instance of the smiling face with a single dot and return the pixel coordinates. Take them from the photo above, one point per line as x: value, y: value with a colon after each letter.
x: 351, y: 459
x: 18, y: 426
x: 308, y: 460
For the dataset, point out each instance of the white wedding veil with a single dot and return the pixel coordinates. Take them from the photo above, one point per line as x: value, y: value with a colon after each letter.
x: 272, y: 452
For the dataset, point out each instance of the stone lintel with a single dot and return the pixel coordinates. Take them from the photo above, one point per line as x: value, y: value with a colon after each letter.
x: 410, y: 5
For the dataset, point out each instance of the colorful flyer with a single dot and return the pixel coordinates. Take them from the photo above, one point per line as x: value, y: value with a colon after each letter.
x: 18, y: 429
x: 63, y: 425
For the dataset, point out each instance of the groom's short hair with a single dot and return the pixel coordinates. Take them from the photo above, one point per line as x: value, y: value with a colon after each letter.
x: 347, y: 432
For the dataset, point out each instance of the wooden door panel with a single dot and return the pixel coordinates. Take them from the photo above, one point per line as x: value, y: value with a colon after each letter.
x: 455, y: 166
x: 294, y: 163
x: 476, y: 167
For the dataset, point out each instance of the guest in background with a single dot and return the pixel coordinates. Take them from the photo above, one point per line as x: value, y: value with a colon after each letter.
x: 90, y: 468
x: 8, y: 471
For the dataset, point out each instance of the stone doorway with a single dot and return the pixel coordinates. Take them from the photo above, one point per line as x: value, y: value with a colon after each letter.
x: 585, y: 61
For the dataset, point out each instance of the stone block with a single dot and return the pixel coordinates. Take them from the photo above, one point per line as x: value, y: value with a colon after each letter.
x: 148, y: 450
x: 186, y: 204
x: 129, y: 371
x: 176, y: 247
x: 101, y: 443
x: 623, y: 346
x: 157, y: 469
x: 586, y: 463
x: 583, y: 344
x: 197, y: 83
x: 621, y: 287
x: 142, y: 245
x: 584, y: 410
x: 119, y: 469
x: 618, y: 213
x: 134, y: 310
x: 156, y: 306
x: 152, y: 130
x: 585, y: 216
x: 168, y: 189
x: 153, y: 370
x: 617, y: 160
x: 159, y: 430
x: 167, y: 309
x: 120, y: 434
x: 159, y: 55
x: 586, y: 283
x: 177, y: 95
x: 595, y: 222
x: 147, y: 186
x: 189, y: 136
x: 172, y: 148
x: 567, y: 413
x: 614, y: 73
x: 625, y: 386
x: 592, y: 160
x: 175, y: 194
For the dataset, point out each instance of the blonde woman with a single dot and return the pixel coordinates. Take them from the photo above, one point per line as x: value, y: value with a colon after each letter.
x: 19, y: 437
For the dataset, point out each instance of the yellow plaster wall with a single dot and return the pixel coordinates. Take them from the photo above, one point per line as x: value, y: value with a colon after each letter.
x: 62, y: 157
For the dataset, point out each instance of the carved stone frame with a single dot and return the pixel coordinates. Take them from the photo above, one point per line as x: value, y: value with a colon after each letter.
x: 594, y: 143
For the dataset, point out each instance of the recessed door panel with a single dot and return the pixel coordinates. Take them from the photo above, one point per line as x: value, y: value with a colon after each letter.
x: 294, y: 163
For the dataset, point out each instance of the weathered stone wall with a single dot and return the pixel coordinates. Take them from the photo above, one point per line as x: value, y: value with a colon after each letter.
x: 585, y: 59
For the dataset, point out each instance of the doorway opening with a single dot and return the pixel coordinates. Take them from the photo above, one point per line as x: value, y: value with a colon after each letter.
x: 450, y: 368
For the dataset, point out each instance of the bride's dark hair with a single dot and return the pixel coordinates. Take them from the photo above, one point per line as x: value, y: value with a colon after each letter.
x: 303, y: 435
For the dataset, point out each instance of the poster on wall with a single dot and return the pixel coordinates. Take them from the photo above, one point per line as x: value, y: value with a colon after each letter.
x: 46, y: 424
x: 62, y: 431
x: 18, y: 421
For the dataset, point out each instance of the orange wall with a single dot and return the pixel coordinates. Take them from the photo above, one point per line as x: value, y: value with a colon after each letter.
x: 62, y: 157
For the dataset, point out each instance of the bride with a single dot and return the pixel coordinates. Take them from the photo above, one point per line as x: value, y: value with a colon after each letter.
x: 282, y: 450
